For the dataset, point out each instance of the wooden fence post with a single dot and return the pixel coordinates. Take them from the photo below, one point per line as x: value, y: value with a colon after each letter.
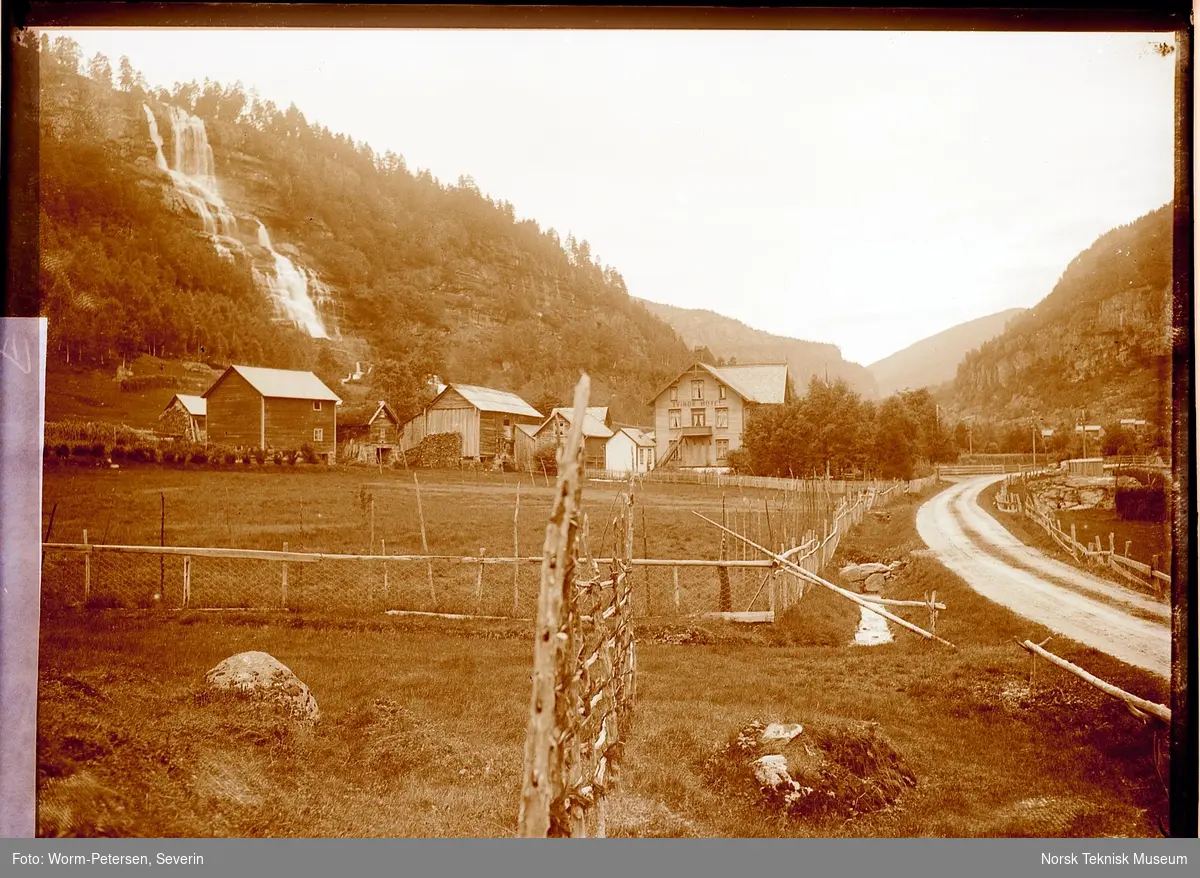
x: 87, y: 570
x: 675, y: 571
x: 479, y: 583
x: 383, y: 551
x: 187, y: 580
x: 517, y: 555
x: 425, y: 543
x: 283, y: 601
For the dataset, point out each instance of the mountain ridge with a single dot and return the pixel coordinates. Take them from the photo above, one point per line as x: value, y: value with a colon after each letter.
x: 934, y: 360
x: 727, y: 337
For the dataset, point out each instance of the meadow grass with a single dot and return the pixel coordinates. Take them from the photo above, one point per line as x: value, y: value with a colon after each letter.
x: 423, y: 720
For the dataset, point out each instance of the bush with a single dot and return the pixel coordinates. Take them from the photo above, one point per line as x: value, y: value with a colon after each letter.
x: 1142, y: 504
x: 98, y: 449
x: 81, y: 450
x: 231, y: 457
x: 278, y: 458
x: 62, y: 450
x: 198, y: 455
x: 169, y: 455
x: 145, y: 454
x: 310, y: 456
x: 546, y: 456
x: 118, y: 452
x: 260, y: 456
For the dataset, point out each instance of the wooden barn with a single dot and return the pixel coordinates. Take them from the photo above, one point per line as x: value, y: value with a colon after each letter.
x: 272, y: 409
x: 485, y: 418
x: 553, y: 431
x: 184, y: 417
x: 369, y: 433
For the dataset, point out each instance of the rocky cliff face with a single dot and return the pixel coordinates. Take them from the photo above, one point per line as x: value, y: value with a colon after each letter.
x: 1098, y: 344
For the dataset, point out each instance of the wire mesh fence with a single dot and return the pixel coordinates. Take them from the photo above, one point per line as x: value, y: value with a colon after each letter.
x: 120, y: 577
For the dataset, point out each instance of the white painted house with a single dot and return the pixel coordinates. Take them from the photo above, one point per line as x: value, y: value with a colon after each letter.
x: 629, y: 450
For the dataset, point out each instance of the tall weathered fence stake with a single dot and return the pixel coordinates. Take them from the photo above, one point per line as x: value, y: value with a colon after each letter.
x: 425, y: 542
x: 517, y: 554
x: 283, y: 591
x: 542, y: 775
x: 87, y: 571
x: 479, y: 583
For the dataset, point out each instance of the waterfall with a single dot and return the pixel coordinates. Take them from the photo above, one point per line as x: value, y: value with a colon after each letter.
x: 289, y: 288
x: 292, y: 288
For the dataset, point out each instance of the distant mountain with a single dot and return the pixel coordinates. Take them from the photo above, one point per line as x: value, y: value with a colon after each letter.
x: 730, y: 339
x: 1099, y: 343
x: 933, y: 361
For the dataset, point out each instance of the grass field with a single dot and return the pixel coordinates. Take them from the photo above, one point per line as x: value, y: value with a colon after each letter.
x: 320, y: 509
x: 92, y: 395
x: 423, y: 721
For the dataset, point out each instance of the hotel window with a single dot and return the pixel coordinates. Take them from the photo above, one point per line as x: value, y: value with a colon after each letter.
x: 675, y: 393
x: 722, y: 418
x: 720, y: 391
x: 316, y: 405
x: 676, y: 419
x: 722, y: 449
x: 697, y: 417
x: 697, y: 390
x: 318, y: 435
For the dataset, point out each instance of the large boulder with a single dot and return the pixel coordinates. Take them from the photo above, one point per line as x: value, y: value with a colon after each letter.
x: 263, y: 677
x: 874, y: 583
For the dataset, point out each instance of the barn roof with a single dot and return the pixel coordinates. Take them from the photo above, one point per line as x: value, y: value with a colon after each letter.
x: 639, y: 437
x: 194, y: 405
x: 599, y: 412
x: 487, y: 399
x: 758, y: 383
x: 364, y: 414
x: 593, y: 425
x: 281, y: 383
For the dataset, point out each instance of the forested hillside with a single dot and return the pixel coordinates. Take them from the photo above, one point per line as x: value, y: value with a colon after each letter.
x: 730, y: 339
x: 415, y: 278
x: 1098, y: 344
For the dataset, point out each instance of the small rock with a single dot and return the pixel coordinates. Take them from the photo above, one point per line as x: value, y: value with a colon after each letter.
x: 859, y: 572
x: 781, y: 732
x: 771, y: 771
x: 875, y: 583
x: 263, y: 676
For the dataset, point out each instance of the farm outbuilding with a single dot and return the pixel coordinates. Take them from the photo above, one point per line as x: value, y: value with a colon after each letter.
x: 553, y: 432
x: 485, y: 418
x: 272, y: 409
x: 1092, y: 467
x: 185, y: 417
x: 630, y: 450
x: 369, y: 433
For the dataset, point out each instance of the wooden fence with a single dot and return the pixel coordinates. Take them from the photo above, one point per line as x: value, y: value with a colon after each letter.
x: 584, y: 665
x: 716, y: 479
x: 1094, y: 554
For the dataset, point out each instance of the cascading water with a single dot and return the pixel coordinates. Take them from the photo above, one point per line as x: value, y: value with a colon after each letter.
x: 290, y: 287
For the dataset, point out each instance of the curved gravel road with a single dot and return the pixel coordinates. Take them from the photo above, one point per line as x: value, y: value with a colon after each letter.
x: 1065, y: 599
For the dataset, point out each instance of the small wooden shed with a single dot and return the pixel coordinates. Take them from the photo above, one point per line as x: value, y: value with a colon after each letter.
x: 185, y: 417
x: 369, y: 433
x: 1091, y: 467
x: 486, y: 419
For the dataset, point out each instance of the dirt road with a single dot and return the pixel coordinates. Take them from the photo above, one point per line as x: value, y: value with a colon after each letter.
x: 1065, y: 599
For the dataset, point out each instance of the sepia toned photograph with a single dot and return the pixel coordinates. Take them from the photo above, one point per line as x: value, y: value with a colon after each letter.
x: 624, y: 433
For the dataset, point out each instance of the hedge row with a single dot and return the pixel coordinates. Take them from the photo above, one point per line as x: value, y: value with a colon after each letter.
x: 98, y: 453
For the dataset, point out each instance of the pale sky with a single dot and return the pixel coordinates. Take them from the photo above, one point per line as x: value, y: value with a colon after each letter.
x: 866, y: 189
